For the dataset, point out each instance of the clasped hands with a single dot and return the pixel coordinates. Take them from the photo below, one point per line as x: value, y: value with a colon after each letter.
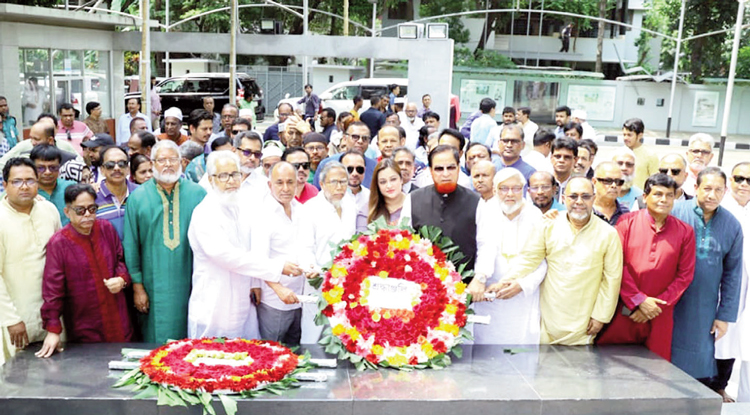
x: 647, y: 310
x: 503, y: 290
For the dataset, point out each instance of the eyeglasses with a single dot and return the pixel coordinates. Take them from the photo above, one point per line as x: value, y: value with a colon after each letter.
x: 336, y: 183
x: 315, y: 149
x: 510, y: 141
x: 586, y: 197
x: 224, y: 177
x: 740, y: 179
x: 250, y: 153
x: 123, y: 164
x: 20, y: 182
x: 304, y: 166
x: 235, y: 132
x: 51, y: 169
x: 359, y: 169
x: 228, y: 116
x: 609, y: 182
x: 699, y: 152
x: 357, y: 137
x: 626, y: 164
x: 675, y: 172
x: 165, y: 160
x: 441, y: 169
x: 543, y: 188
x: 514, y: 189
x: 81, y: 210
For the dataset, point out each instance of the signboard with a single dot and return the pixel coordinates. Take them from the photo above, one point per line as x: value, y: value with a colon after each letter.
x: 472, y: 92
x: 597, y: 101
x: 705, y: 108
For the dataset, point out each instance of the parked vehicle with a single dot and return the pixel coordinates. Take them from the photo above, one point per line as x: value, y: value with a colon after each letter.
x: 186, y: 92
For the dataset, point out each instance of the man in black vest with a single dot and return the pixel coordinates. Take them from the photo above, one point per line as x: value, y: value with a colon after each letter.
x: 446, y: 205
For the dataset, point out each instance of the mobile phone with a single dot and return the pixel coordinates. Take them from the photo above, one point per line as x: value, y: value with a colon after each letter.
x: 282, y: 127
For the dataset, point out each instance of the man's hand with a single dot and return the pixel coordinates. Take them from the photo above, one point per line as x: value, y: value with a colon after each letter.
x: 140, y: 298
x: 51, y: 344
x: 291, y: 269
x: 115, y: 285
x: 286, y: 295
x: 257, y: 292
x: 594, y: 327
x: 476, y: 289
x: 649, y: 307
x: 18, y: 335
x: 638, y: 317
x: 551, y: 214
x: 719, y: 329
x: 509, y: 290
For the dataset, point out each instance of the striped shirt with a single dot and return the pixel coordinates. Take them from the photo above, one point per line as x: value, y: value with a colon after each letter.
x: 110, y: 208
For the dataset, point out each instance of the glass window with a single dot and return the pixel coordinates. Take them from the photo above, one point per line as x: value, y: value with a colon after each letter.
x: 370, y: 90
x: 172, y: 86
x: 96, y: 81
x: 219, y: 86
x: 34, y: 70
x: 540, y: 96
x: 67, y: 76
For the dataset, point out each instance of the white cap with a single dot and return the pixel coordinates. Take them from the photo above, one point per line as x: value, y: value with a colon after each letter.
x: 271, y: 151
x: 580, y: 114
x: 173, y: 112
x: 246, y: 113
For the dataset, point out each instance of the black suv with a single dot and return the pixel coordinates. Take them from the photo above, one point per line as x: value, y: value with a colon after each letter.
x: 186, y: 92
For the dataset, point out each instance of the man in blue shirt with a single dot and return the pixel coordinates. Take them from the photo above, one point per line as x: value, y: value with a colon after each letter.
x: 511, y: 144
x: 482, y: 126
x: 542, y: 192
x: 312, y: 104
x: 9, y: 130
x: 47, y: 159
x: 356, y: 137
x: 373, y: 117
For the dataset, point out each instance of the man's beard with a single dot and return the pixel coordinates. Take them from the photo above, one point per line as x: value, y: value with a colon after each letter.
x: 225, y: 198
x: 411, y: 119
x: 247, y: 170
x: 168, y: 178
x: 509, y: 210
x: 697, y: 166
x: 579, y: 216
x: 446, y: 188
x: 628, y: 182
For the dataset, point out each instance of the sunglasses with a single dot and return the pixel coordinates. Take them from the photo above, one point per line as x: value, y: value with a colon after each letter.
x: 235, y: 132
x: 111, y: 164
x: 51, y: 169
x: 584, y: 197
x: 305, y: 166
x: 740, y: 179
x: 444, y: 168
x: 608, y: 182
x: 675, y: 172
x: 81, y: 210
x: 248, y: 153
x: 357, y: 137
x: 359, y: 169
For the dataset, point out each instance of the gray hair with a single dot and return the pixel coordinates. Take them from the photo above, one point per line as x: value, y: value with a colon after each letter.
x: 513, y: 126
x: 217, y: 156
x: 702, y: 138
x: 189, y: 149
x: 164, y: 144
x: 330, y: 166
x: 248, y: 135
x: 507, y: 173
x: 623, y: 151
x: 404, y: 150
x: 684, y: 162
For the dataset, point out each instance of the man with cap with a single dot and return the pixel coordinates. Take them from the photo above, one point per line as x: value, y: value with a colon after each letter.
x: 316, y: 147
x: 271, y: 155
x: 173, y: 126
x: 579, y: 116
x: 92, y: 157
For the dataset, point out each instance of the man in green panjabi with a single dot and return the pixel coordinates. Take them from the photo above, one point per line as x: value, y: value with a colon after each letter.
x: 157, y: 251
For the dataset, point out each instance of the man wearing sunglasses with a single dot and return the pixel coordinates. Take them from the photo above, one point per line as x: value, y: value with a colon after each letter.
x: 699, y: 155
x: 607, y: 182
x: 674, y: 166
x: 629, y: 192
x: 357, y: 137
x: 354, y: 161
x: 249, y: 147
x: 28, y: 224
x: 115, y: 188
x: 300, y: 160
x: 47, y: 160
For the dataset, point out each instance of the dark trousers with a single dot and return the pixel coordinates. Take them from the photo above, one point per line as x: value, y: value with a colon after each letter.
x: 723, y: 373
x: 565, y: 44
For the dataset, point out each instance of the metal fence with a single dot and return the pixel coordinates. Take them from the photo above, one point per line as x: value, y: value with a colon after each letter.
x: 276, y: 82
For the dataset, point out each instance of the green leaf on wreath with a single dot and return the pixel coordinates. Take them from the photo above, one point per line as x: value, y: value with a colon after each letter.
x: 221, y: 340
x: 230, y: 405
x: 320, y: 319
x: 206, y: 399
x: 332, y: 348
x: 315, y: 282
x: 458, y: 351
x: 150, y: 391
x: 168, y: 397
x: 127, y: 379
x: 189, y: 397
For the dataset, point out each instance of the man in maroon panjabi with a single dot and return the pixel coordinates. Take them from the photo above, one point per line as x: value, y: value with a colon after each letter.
x: 84, y: 277
x: 658, y: 265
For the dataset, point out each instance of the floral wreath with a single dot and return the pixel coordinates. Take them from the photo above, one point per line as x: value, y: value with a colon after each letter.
x: 189, y: 371
x: 393, y: 298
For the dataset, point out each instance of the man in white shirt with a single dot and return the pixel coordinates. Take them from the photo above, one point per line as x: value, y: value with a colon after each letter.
x: 529, y: 128
x: 354, y: 162
x: 411, y: 124
x: 225, y: 269
x: 328, y: 218
x: 538, y: 158
x: 123, y: 124
x: 279, y: 311
x: 580, y: 116
x: 483, y: 126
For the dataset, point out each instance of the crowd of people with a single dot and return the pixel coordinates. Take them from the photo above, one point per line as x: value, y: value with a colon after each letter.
x: 213, y: 230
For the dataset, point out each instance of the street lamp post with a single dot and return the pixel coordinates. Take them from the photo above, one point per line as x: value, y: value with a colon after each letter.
x: 676, y: 66
x: 730, y: 81
x: 374, y: 15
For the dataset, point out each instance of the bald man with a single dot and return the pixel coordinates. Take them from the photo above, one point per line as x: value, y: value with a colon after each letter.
x: 411, y: 124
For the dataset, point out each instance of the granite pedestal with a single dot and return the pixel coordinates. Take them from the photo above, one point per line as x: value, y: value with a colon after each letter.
x: 486, y: 380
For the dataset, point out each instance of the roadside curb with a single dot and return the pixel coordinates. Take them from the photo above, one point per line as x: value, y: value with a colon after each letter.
x: 674, y: 142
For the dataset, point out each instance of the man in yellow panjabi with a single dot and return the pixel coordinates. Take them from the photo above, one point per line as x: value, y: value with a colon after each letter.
x: 584, y: 258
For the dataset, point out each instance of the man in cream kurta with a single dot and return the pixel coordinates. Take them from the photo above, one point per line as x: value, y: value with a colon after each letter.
x: 27, y: 225
x: 584, y: 259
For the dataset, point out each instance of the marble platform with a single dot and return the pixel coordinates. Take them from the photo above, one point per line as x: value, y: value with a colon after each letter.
x: 486, y: 380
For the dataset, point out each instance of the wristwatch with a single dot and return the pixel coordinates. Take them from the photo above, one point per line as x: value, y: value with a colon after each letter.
x: 481, y: 278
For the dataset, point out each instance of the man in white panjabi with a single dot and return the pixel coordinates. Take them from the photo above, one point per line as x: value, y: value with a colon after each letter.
x: 736, y: 342
x: 224, y: 268
x: 279, y: 311
x: 326, y: 220
x: 507, y: 223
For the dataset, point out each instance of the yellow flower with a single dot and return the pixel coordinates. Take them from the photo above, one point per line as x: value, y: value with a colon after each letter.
x: 429, y: 251
x: 449, y: 328
x: 338, y: 330
x: 375, y: 316
x: 403, y: 244
x: 353, y: 333
x: 387, y: 314
x: 333, y: 295
x: 353, y: 304
x: 377, y: 349
x: 441, y: 272
x: 383, y: 274
x: 397, y: 360
x: 451, y: 309
x: 337, y: 271
x: 460, y: 287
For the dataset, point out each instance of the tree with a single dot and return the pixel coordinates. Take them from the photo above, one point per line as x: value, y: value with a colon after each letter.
x: 600, y: 35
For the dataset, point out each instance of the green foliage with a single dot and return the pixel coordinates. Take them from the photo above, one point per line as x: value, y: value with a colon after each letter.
x: 481, y: 59
x: 743, y: 63
x: 40, y: 3
x: 456, y: 31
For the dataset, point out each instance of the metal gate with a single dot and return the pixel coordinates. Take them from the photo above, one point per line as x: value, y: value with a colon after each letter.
x: 276, y: 82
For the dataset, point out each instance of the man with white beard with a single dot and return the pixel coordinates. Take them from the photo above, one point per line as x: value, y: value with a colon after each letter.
x: 279, y: 311
x: 223, y: 264
x: 508, y: 222
x: 157, y: 251
x: 699, y: 155
x: 329, y: 217
x: 629, y: 192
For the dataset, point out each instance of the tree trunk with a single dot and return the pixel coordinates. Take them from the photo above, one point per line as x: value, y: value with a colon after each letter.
x: 696, y: 60
x: 600, y: 35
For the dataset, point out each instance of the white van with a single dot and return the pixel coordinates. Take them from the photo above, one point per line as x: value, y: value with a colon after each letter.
x: 340, y: 96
